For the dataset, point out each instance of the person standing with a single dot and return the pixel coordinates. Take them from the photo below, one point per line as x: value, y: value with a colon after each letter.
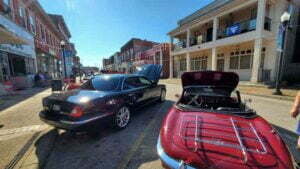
x: 294, y: 113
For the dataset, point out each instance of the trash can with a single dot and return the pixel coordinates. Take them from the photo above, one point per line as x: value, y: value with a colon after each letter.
x: 56, y: 85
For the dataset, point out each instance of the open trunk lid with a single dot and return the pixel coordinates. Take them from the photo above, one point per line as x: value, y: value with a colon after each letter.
x: 228, y: 80
x: 151, y: 71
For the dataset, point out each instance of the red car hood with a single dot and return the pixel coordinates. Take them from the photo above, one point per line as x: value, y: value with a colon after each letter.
x: 214, y: 140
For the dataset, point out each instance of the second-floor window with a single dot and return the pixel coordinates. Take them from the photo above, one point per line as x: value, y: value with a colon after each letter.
x: 21, y: 12
x: 6, y: 2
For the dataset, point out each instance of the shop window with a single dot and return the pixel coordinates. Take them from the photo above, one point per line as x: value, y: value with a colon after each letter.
x: 199, y: 63
x: 234, y: 62
x: 245, y: 61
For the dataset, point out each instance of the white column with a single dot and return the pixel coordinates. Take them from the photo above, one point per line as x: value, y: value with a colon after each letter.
x: 171, y: 66
x: 256, y: 60
x: 215, y: 28
x: 260, y: 20
x: 188, y: 62
x: 214, y: 59
x: 161, y: 56
x: 154, y: 59
x: 171, y: 57
x: 188, y: 37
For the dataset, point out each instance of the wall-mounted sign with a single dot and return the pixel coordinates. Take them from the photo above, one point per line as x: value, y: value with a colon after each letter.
x: 23, y: 50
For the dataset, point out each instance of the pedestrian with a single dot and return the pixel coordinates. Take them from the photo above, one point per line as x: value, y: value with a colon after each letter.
x: 294, y: 113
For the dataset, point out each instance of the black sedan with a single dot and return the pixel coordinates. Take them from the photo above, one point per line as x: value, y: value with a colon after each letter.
x: 103, y: 99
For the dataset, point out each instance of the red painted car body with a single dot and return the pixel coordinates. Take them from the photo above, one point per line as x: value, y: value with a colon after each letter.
x: 207, y: 138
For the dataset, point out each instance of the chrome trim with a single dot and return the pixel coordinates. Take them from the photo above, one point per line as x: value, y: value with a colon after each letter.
x: 169, y: 161
x: 85, y: 121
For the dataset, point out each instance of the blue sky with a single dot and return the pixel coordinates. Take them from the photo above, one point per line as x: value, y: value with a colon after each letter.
x: 100, y: 27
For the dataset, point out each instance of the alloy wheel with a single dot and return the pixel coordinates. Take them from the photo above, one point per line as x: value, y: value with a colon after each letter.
x: 122, y: 117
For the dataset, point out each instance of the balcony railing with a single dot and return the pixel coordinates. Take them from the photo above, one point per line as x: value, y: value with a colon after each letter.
x: 198, y: 40
x: 179, y: 45
x: 242, y: 27
x: 237, y: 28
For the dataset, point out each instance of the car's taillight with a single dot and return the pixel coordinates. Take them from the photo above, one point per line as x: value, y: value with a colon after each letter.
x: 77, y: 112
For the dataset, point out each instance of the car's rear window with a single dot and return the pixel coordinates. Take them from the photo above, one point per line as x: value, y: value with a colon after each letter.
x: 103, y: 83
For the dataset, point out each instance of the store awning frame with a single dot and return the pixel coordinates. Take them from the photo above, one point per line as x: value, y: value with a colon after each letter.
x: 7, y: 37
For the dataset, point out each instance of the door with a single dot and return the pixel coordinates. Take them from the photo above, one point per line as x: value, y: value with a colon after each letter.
x: 136, y: 92
x: 151, y: 91
x: 220, y: 65
x: 209, y: 34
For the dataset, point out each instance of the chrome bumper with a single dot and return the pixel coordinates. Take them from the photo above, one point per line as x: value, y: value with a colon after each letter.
x: 169, y: 161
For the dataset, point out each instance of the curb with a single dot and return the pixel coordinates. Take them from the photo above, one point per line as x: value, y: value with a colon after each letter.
x: 287, y: 98
x: 290, y: 99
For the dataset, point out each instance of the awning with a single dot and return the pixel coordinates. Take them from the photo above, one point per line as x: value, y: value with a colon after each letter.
x: 7, y: 37
x: 295, y: 2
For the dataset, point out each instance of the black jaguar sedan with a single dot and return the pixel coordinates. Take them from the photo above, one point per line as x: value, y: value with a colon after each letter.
x: 107, y: 98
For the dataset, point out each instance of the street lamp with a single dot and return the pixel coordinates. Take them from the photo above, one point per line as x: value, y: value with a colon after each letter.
x: 285, y: 18
x: 63, y: 45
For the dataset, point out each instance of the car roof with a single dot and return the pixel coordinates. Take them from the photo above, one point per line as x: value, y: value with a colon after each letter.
x: 120, y: 75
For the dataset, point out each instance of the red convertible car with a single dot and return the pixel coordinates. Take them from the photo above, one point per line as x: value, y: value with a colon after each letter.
x: 209, y: 127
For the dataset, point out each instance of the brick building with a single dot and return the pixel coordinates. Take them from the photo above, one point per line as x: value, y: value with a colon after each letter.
x: 48, y: 30
x: 129, y: 50
x: 17, y: 54
x: 159, y: 54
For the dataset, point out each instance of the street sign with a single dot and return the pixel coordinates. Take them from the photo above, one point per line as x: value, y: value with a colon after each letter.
x: 280, y: 38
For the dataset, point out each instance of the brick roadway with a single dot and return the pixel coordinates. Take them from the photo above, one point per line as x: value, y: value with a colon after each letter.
x: 133, y: 147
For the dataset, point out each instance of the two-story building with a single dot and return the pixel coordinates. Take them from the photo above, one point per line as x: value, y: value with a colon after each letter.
x: 229, y: 35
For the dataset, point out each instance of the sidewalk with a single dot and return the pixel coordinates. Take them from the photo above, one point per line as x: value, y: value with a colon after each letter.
x: 20, y: 126
x: 252, y: 89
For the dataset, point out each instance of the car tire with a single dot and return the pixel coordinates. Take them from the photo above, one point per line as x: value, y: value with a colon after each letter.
x: 121, y: 118
x: 162, y: 97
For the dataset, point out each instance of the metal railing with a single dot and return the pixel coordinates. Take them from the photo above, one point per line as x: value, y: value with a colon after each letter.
x: 237, y: 28
x: 179, y: 45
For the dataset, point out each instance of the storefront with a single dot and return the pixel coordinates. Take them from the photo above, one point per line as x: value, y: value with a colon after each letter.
x: 17, y: 54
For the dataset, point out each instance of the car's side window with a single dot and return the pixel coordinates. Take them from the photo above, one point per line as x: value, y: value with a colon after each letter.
x: 144, y: 81
x: 131, y: 83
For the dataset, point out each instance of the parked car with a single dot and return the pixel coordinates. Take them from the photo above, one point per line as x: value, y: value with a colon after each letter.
x: 210, y: 127
x: 103, y: 99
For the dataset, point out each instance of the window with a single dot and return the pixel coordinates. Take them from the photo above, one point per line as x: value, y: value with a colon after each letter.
x: 31, y: 20
x: 6, y: 2
x: 245, y: 61
x: 145, y: 81
x: 105, y: 83
x: 21, y: 12
x: 131, y: 83
x: 234, y: 62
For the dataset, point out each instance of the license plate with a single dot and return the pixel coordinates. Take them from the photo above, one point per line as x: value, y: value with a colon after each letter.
x: 56, y: 108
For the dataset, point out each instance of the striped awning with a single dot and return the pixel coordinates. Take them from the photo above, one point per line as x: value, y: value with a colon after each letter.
x: 7, y: 37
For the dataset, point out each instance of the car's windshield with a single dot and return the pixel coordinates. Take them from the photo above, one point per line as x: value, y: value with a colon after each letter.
x: 102, y: 83
x: 211, y: 98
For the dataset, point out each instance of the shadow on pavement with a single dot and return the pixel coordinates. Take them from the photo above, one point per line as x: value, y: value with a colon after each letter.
x: 145, y: 156
x: 290, y: 138
x: 69, y: 150
x: 21, y: 95
x: 44, y: 146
